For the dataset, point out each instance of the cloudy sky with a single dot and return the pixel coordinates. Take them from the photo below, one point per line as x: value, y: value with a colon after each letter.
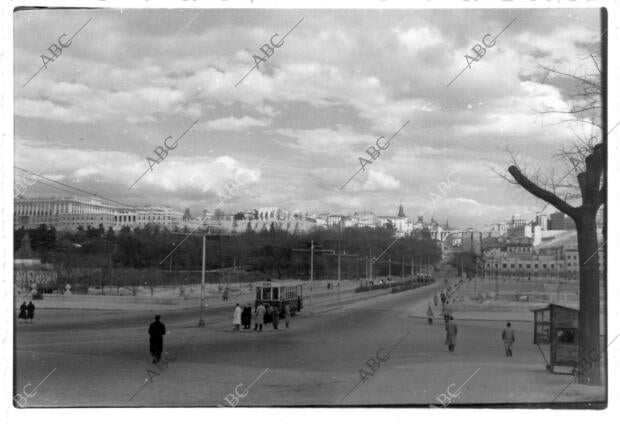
x: 291, y: 134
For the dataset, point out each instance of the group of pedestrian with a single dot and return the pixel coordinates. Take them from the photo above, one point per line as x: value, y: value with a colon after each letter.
x: 508, y: 335
x: 262, y: 315
x: 26, y: 312
x: 446, y: 310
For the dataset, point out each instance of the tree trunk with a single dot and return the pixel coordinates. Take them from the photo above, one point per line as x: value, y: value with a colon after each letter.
x: 589, y: 299
x: 589, y: 292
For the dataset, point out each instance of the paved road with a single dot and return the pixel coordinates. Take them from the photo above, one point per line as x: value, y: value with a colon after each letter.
x: 101, y: 359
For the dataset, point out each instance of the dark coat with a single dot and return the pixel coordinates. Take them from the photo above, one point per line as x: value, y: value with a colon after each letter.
x: 246, y: 315
x: 451, y: 331
x: 22, y: 311
x: 30, y: 309
x: 156, y: 341
x: 508, y: 336
x: 275, y: 317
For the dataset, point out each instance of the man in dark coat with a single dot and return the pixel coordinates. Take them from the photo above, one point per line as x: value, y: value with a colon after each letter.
x: 451, y: 330
x: 275, y: 317
x: 246, y: 316
x: 508, y: 336
x: 30, y: 308
x: 268, y: 314
x: 156, y: 341
x: 22, y: 312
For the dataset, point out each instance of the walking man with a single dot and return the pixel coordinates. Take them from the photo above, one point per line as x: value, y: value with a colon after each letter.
x: 30, y: 312
x: 246, y: 317
x: 260, y: 317
x: 451, y: 331
x: 447, y: 312
x: 508, y: 336
x: 275, y: 317
x: 429, y: 314
x: 237, y: 318
x: 157, y: 330
x: 22, y: 312
x: 287, y: 314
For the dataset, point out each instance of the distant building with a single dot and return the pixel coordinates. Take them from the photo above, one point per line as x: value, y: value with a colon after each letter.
x: 68, y: 213
x: 517, y: 222
x: 335, y: 220
x: 557, y: 256
x: 542, y: 221
x: 471, y: 241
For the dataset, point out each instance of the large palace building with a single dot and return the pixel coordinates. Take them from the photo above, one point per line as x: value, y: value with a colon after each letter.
x: 68, y: 213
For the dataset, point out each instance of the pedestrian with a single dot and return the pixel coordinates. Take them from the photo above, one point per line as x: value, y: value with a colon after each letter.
x: 157, y: 330
x: 443, y: 297
x: 451, y: 331
x: 225, y: 295
x: 246, y: 317
x: 30, y: 312
x: 447, y: 312
x: 237, y: 317
x: 22, y: 312
x: 260, y: 317
x: 508, y: 336
x: 429, y: 314
x: 287, y: 314
x: 255, y: 318
x: 275, y: 317
x: 268, y: 314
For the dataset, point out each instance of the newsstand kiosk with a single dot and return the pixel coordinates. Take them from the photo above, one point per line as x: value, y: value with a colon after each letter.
x: 558, y: 327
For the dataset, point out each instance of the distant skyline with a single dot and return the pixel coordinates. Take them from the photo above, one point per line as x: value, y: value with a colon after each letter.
x: 295, y: 128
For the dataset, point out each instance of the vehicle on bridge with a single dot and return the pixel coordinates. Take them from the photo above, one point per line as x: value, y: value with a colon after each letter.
x: 280, y: 294
x: 423, y: 277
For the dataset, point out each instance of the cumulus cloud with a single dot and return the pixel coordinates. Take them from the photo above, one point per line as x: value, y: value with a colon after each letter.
x: 235, y: 124
x: 314, y: 107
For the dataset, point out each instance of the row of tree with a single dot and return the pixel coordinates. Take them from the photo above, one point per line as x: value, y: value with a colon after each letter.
x: 272, y: 253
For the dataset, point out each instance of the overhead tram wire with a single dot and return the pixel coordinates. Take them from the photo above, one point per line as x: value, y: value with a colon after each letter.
x: 72, y: 187
x: 56, y: 188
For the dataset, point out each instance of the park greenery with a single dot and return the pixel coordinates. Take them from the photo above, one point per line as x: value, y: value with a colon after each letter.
x: 131, y: 257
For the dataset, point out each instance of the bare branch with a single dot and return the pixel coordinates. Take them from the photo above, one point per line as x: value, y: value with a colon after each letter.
x: 541, y: 193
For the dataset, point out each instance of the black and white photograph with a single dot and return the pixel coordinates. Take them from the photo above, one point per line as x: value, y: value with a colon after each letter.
x: 245, y: 204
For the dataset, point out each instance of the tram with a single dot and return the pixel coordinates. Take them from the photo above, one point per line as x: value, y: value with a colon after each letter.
x: 280, y: 294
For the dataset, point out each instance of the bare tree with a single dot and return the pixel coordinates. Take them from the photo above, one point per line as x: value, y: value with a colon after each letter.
x: 587, y: 162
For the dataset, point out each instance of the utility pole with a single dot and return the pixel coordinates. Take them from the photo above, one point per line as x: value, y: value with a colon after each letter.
x: 339, y: 255
x: 370, y: 263
x: 203, y: 301
x: 201, y: 323
x: 389, y: 268
x: 313, y: 248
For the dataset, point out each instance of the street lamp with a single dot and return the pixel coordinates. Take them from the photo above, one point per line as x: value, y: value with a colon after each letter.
x: 203, y: 301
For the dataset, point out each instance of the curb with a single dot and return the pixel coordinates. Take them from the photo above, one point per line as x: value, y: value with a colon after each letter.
x: 473, y: 319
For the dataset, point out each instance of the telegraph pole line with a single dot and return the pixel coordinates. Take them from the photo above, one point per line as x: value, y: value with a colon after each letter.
x: 370, y: 263
x: 313, y: 248
x: 339, y: 255
x: 203, y: 302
